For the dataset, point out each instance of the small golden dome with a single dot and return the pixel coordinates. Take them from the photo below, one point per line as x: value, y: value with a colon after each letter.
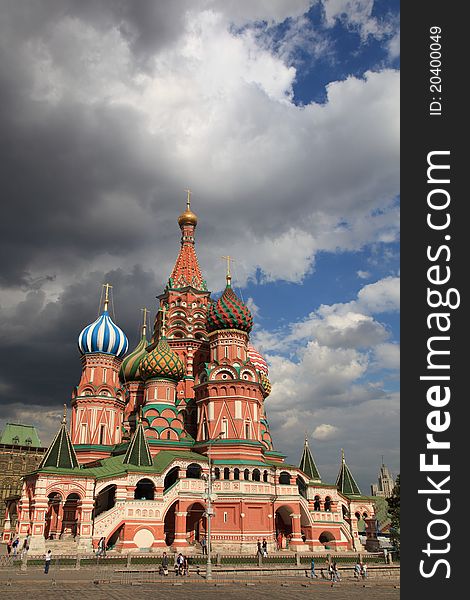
x: 187, y: 217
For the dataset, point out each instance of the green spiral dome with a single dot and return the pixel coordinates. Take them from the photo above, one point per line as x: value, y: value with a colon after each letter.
x: 130, y: 365
x: 162, y: 362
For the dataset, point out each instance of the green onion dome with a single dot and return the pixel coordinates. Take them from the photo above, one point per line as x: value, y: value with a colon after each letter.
x: 162, y: 362
x: 229, y: 312
x: 265, y: 385
x: 130, y: 365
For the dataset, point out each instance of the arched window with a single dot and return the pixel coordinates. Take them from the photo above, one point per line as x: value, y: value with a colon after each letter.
x: 144, y: 490
x: 236, y: 474
x: 284, y: 478
x: 256, y: 475
x: 193, y: 471
x: 216, y: 473
x: 316, y: 503
x: 265, y: 476
x: 328, y: 503
x: 246, y: 475
x: 226, y: 473
x: 171, y: 477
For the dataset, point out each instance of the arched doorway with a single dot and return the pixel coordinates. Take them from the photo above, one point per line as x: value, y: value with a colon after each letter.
x: 195, y: 522
x: 170, y: 478
x: 169, y: 525
x: 71, y: 516
x: 327, y: 539
x: 53, y: 514
x: 105, y: 500
x: 144, y: 490
x: 284, y: 521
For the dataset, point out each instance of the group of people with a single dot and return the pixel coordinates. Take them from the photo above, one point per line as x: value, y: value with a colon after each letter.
x: 13, y: 547
x: 360, y: 570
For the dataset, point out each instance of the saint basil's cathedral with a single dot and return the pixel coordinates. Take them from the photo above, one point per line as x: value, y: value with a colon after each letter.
x: 148, y: 427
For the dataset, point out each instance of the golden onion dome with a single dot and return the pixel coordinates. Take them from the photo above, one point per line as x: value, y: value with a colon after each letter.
x: 187, y: 217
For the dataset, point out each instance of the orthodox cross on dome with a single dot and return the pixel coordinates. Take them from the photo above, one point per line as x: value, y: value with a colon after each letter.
x: 342, y: 456
x: 144, y: 321
x: 107, y: 287
x: 228, y: 276
x: 188, y: 200
x: 64, y: 417
x: 163, y: 326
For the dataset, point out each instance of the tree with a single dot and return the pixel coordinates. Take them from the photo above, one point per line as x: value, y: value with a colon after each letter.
x: 394, y: 514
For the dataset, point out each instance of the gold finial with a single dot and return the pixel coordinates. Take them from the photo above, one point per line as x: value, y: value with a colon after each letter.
x: 187, y: 217
x: 144, y: 321
x: 163, y: 326
x: 342, y: 456
x: 228, y: 276
x: 306, y: 438
x: 107, y: 287
x: 64, y: 418
x: 140, y: 414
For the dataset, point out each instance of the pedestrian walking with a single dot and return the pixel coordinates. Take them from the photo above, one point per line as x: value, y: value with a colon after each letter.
x: 25, y: 547
x: 165, y: 564
x: 186, y: 565
x: 312, y: 568
x: 9, y: 544
x: 264, y: 547
x: 259, y: 550
x: 204, y: 546
x: 279, y: 541
x: 47, y: 561
x: 180, y: 564
x: 14, y: 546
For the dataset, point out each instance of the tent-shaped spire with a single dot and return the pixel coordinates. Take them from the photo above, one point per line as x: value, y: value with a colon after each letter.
x: 307, y: 464
x: 138, y: 452
x: 61, y: 453
x: 345, y: 482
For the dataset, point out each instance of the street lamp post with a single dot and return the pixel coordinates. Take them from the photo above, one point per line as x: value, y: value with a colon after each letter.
x: 209, y: 510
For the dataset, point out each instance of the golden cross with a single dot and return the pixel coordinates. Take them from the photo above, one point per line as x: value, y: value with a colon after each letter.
x: 188, y: 200
x: 163, y: 311
x: 144, y: 319
x: 228, y: 276
x: 107, y: 287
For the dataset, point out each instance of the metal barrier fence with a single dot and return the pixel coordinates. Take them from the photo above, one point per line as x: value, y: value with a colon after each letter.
x: 152, y: 560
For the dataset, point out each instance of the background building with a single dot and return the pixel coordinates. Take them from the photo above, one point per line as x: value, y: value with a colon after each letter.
x: 385, y: 484
x: 20, y: 453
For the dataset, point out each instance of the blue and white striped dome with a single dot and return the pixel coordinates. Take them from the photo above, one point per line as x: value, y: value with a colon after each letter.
x: 103, y: 336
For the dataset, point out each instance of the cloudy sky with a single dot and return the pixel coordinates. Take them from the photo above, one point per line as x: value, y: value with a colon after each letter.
x: 282, y: 117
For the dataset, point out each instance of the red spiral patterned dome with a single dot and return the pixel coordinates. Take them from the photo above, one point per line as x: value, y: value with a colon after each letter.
x: 229, y: 312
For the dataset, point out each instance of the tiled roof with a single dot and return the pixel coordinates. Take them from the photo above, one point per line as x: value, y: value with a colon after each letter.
x: 20, y: 435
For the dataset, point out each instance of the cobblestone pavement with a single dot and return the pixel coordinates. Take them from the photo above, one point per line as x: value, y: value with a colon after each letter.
x: 58, y: 589
x: 205, y: 591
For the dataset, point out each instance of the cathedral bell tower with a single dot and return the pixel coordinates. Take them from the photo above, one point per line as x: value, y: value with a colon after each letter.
x: 185, y: 302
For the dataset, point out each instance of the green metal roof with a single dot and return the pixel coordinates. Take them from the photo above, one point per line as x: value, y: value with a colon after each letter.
x: 138, y: 452
x: 345, y: 482
x: 307, y: 464
x: 114, y: 466
x: 20, y: 435
x: 61, y: 453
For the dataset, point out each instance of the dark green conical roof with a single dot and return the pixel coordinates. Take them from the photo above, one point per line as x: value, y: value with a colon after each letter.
x: 138, y: 452
x: 307, y: 464
x: 345, y: 482
x: 61, y: 453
